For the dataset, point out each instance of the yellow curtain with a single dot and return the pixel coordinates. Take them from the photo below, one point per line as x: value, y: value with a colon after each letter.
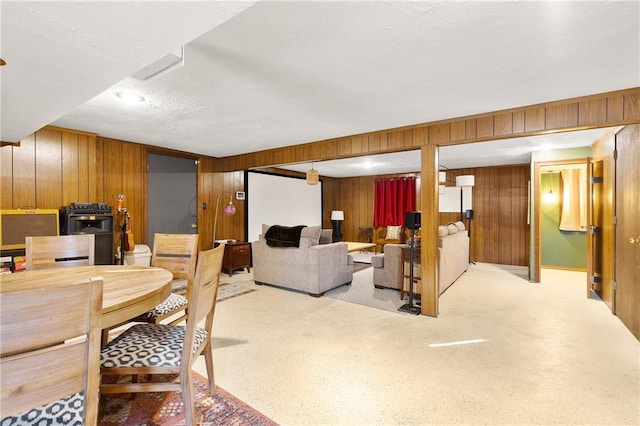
x: 573, y: 210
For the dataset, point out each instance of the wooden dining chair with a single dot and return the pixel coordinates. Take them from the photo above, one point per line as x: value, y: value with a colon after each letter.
x: 176, y: 253
x: 43, y: 380
x: 158, y: 349
x: 59, y: 251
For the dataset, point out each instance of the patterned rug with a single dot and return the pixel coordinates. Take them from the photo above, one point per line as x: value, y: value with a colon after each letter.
x: 229, y: 290
x: 362, y: 292
x: 359, y: 266
x: 225, y: 291
x: 166, y: 408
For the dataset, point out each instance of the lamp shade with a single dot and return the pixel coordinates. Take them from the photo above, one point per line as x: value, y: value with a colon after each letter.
x: 465, y: 180
x: 229, y: 209
x: 312, y: 176
x: 337, y: 215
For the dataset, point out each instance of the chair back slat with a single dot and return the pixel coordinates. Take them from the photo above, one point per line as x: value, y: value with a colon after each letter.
x: 50, y: 344
x: 176, y: 253
x: 59, y: 251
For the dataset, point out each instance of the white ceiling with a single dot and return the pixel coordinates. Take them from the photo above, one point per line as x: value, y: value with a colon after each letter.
x: 260, y: 75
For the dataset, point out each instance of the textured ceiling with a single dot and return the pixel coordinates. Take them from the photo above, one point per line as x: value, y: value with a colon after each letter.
x: 259, y: 75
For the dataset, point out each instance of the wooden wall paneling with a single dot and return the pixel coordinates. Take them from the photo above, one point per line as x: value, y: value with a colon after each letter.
x: 420, y: 136
x: 615, y: 108
x: 96, y: 165
x: 631, y: 105
x: 476, y: 227
x: 429, y: 231
x: 439, y: 134
x: 84, y: 165
x: 470, y: 129
x: 133, y: 186
x: 503, y: 124
x: 6, y: 178
x: 71, y: 170
x: 534, y: 119
x: 226, y: 185
x: 458, y: 130
x: 374, y: 143
x: 207, y: 199
x: 518, y: 216
x: 506, y: 226
x: 592, y: 112
x: 48, y: 171
x: 241, y: 206
x: 518, y: 122
x: 112, y: 179
x: 485, y: 127
x: 562, y: 116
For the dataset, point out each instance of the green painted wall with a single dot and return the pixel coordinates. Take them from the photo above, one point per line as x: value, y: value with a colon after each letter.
x: 559, y: 248
x: 541, y: 156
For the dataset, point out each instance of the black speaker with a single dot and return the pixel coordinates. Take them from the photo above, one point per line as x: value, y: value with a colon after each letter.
x: 412, y: 220
x: 469, y: 214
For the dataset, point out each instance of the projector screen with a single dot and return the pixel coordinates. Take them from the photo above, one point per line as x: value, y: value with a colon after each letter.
x: 280, y: 200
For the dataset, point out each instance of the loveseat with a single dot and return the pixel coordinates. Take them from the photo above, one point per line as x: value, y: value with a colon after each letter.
x: 453, y: 260
x: 311, y: 267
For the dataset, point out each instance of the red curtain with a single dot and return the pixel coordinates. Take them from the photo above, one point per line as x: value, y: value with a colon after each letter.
x: 392, y: 198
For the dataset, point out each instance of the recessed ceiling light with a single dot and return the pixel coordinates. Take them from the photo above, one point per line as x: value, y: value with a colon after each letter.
x: 129, y: 97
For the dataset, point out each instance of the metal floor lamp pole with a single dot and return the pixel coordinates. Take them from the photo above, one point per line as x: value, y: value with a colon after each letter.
x: 409, y: 307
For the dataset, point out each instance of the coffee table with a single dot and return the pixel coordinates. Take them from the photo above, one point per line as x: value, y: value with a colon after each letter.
x: 356, y: 246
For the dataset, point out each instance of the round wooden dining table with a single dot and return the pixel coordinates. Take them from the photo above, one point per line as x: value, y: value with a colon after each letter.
x: 128, y: 291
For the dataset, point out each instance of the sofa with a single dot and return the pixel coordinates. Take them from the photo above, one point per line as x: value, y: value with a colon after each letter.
x: 312, y: 268
x: 453, y: 260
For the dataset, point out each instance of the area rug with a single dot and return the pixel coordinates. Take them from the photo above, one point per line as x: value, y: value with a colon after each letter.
x: 362, y: 292
x: 166, y: 408
x: 229, y: 290
x: 225, y: 291
x: 359, y: 266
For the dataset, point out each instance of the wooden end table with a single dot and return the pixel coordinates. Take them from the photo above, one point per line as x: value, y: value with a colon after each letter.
x: 237, y: 255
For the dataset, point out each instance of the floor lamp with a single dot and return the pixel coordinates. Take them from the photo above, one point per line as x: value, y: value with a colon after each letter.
x: 411, y: 221
x: 229, y: 210
x: 462, y: 182
x: 337, y: 216
x: 469, y: 214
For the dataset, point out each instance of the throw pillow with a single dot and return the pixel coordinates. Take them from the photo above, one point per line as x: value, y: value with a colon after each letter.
x: 393, y: 232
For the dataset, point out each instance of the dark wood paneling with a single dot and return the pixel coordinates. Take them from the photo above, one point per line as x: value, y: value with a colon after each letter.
x: 49, y: 168
x: 6, y: 175
x: 70, y: 169
x: 499, y: 230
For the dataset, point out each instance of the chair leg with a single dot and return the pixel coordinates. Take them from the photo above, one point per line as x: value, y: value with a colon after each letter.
x: 186, y: 386
x: 208, y: 360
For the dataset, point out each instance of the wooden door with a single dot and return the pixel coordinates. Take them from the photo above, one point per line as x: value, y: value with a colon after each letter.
x: 595, y: 244
x: 627, y: 245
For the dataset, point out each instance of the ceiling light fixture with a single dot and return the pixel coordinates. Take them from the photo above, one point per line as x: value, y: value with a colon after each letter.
x: 2, y: 62
x: 312, y: 176
x: 129, y: 97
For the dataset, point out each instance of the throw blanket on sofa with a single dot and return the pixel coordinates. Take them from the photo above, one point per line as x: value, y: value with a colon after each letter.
x: 283, y: 236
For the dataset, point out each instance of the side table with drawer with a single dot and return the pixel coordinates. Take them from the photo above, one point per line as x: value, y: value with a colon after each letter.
x: 236, y: 256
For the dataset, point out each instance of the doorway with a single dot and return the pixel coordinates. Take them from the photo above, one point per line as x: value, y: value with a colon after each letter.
x: 172, y: 189
x: 563, y: 216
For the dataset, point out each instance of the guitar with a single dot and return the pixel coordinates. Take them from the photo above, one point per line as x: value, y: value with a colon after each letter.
x: 129, y: 244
